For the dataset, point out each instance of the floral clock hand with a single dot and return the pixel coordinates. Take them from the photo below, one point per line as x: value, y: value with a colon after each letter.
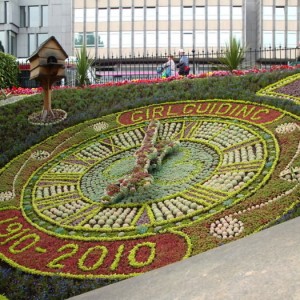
x: 148, y: 157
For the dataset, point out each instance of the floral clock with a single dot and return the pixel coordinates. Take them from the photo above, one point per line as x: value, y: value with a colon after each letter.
x: 55, y: 221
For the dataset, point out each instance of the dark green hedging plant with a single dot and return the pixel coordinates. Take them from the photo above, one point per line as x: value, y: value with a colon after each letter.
x: 9, y: 71
x: 89, y: 103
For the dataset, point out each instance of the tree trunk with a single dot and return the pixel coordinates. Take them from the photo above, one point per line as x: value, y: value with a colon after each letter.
x: 47, y: 109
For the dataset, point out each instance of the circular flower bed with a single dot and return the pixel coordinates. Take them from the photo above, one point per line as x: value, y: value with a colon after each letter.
x: 234, y: 172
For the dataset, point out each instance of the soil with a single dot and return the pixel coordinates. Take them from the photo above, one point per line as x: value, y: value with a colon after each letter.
x: 58, y: 116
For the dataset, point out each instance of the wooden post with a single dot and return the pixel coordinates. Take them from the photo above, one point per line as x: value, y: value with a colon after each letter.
x: 47, y: 107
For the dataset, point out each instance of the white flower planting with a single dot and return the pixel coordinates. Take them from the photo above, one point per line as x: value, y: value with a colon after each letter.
x: 209, y: 129
x: 112, y: 217
x: 226, y: 227
x: 94, y: 151
x: 244, y: 154
x: 169, y: 130
x: 67, y: 168
x: 128, y: 139
x: 229, y: 181
x: 231, y: 136
x: 64, y: 210
x: 40, y: 155
x: 5, y: 196
x: 100, y: 126
x: 47, y: 191
x: 173, y: 208
x: 286, y: 128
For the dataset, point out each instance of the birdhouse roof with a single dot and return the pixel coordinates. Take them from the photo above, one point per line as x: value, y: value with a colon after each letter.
x: 48, y: 42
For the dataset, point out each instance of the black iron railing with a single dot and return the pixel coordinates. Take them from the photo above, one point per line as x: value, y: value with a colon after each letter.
x: 122, y: 68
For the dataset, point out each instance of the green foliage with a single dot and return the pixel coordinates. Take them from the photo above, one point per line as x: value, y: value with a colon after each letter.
x: 9, y: 71
x: 234, y: 55
x: 85, y: 104
x: 43, y: 287
x: 83, y: 64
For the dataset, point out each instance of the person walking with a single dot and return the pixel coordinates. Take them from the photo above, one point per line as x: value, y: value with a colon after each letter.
x: 183, y: 64
x: 169, y: 67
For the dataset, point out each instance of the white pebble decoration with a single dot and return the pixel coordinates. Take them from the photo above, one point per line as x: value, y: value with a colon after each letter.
x: 226, y: 227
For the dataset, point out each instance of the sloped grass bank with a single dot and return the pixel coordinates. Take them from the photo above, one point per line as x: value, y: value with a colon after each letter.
x: 84, y: 104
x: 251, y: 186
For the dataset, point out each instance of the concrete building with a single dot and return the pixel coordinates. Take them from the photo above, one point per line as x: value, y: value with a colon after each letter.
x: 134, y: 27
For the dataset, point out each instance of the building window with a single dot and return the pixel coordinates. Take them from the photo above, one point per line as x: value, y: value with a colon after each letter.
x: 163, y: 37
x: 126, y: 14
x: 115, y: 14
x: 212, y: 39
x: 237, y: 13
x: 238, y: 35
x: 200, y: 39
x: 267, y: 39
x: 45, y: 16
x: 114, y: 40
x: 102, y: 39
x: 224, y: 38
x: 42, y: 37
x: 91, y: 15
x: 150, y: 39
x: 279, y: 39
x: 22, y: 16
x: 126, y: 39
x: 291, y: 39
x: 188, y: 40
x: 4, y: 15
x: 175, y: 13
x: 267, y: 13
x: 34, y: 17
x: 175, y: 39
x: 90, y: 39
x: 225, y: 15
x: 138, y: 14
x: 163, y: 13
x: 279, y: 13
x: 78, y: 39
x: 78, y: 15
x: 292, y: 13
x: 200, y: 13
x: 212, y: 12
x: 102, y: 15
x: 32, y: 43
x: 187, y: 13
x: 139, y: 39
x: 151, y: 14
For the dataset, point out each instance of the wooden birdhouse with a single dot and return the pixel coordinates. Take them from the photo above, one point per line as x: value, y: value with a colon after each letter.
x: 48, y: 61
x: 47, y: 65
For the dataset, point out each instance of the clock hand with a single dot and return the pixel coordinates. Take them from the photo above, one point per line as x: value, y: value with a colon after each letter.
x: 148, y: 157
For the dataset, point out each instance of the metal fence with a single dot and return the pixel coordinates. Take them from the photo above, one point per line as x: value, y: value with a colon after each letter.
x: 107, y: 69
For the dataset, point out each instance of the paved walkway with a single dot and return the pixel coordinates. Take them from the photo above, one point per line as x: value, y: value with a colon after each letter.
x: 262, y: 266
x: 12, y: 99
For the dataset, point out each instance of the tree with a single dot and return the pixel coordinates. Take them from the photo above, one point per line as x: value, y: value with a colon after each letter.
x: 233, y: 56
x: 9, y: 71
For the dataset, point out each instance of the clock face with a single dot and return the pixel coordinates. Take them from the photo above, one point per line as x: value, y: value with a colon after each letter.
x: 219, y: 162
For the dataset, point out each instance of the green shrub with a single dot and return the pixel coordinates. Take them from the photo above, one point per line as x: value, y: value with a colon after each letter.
x: 85, y: 104
x: 234, y: 55
x: 9, y: 71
